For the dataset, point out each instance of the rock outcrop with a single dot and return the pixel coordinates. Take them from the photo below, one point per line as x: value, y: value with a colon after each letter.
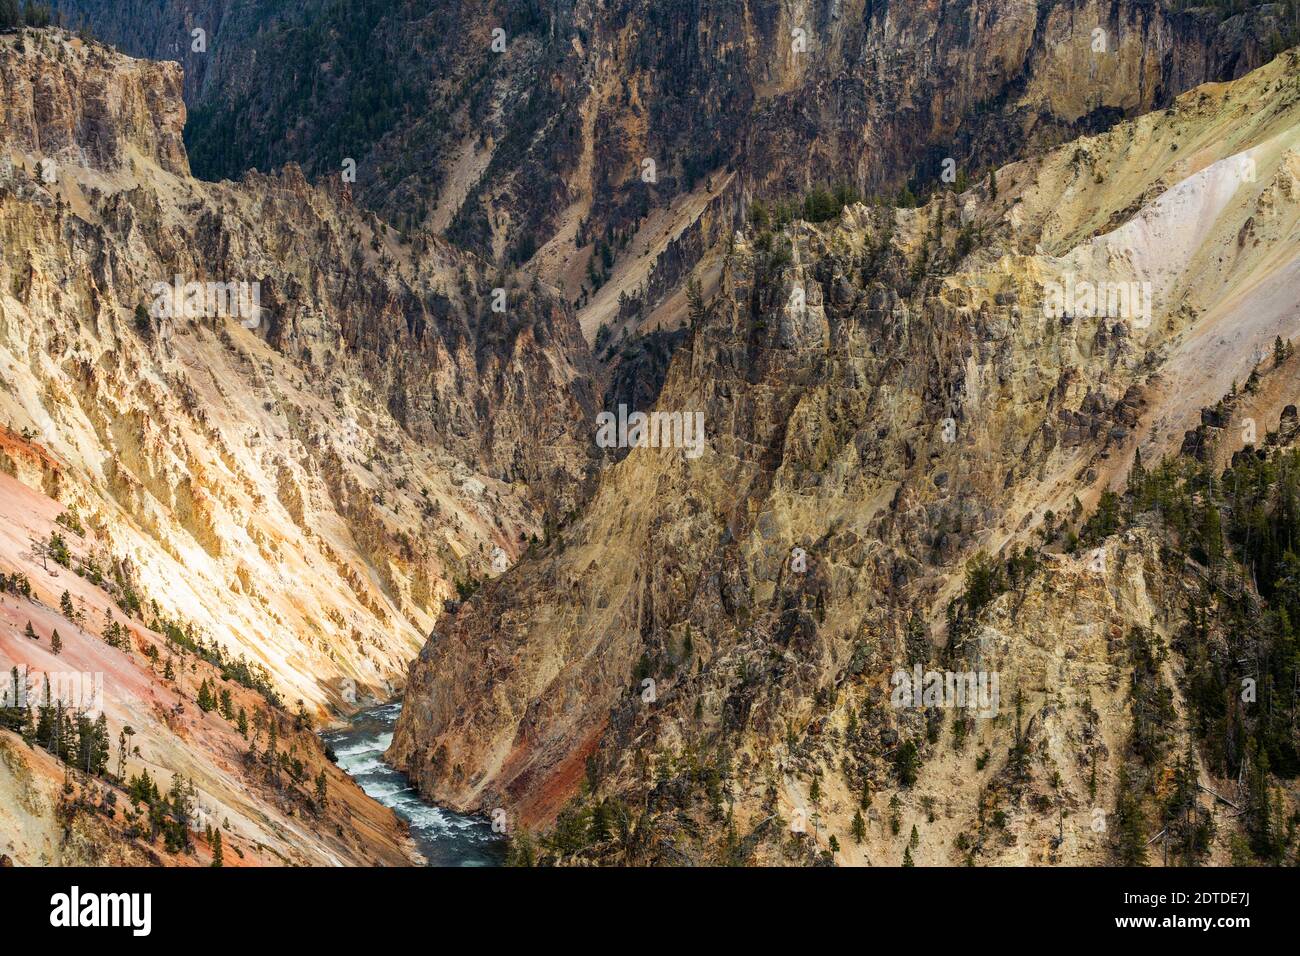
x: 885, y: 396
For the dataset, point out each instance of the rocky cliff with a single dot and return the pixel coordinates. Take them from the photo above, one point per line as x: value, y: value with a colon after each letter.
x: 596, y: 141
x: 285, y: 435
x: 708, y: 647
x: 381, y: 387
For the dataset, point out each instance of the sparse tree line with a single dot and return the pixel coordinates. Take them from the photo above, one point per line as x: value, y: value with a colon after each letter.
x: 84, y: 745
x: 1238, y: 535
x: 181, y: 636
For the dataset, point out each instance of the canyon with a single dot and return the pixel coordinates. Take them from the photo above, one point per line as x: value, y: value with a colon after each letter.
x: 942, y: 281
x: 262, y: 485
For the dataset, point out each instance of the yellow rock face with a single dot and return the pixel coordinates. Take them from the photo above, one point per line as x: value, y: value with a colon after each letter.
x: 888, y: 395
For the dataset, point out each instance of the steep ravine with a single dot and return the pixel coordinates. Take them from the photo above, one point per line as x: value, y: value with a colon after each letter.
x: 313, y: 486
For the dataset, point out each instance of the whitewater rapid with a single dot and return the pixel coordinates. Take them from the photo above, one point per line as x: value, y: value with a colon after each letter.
x: 443, y: 837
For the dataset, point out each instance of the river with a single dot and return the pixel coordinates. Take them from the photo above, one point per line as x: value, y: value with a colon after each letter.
x: 444, y: 838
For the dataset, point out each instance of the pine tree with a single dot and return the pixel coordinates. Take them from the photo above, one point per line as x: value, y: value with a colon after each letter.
x: 59, y: 732
x: 907, y: 762
x: 272, y: 755
x: 695, y: 301
x: 1211, y: 534
x: 122, y: 747
x: 45, y: 718
x: 141, y: 788
x: 56, y: 642
x: 834, y: 844
x: 179, y: 808
x: 243, y: 723
x: 14, y: 713
x: 1263, y: 821
x: 217, y: 859
x: 87, y: 750
x: 915, y: 839
x: 602, y: 824
x: 205, y: 697
x: 907, y: 857
x: 30, y: 631
x: 859, y: 829
x: 65, y: 606
x: 1131, y: 842
x: 102, y: 748
x: 320, y: 790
